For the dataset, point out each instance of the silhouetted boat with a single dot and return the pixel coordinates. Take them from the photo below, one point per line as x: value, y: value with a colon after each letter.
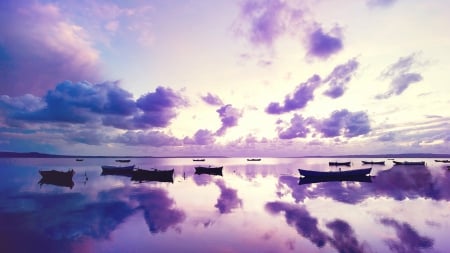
x: 372, y: 162
x: 79, y: 160
x: 253, y: 159
x: 209, y: 170
x: 408, y: 163
x: 123, y: 160
x: 442, y: 161
x: 58, y: 178
x: 335, y: 174
x: 198, y: 160
x: 339, y: 163
x: 310, y: 180
x: 110, y: 170
x: 141, y: 175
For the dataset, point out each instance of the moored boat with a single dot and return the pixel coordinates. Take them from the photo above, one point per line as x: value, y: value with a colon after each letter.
x: 442, y: 161
x: 58, y: 178
x: 209, y: 170
x: 339, y: 163
x: 79, y: 160
x: 141, y: 175
x: 408, y: 163
x: 198, y: 160
x: 373, y: 162
x: 335, y: 174
x: 253, y: 159
x: 123, y: 160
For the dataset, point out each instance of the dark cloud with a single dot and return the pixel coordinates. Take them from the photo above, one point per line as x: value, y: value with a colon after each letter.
x: 344, y: 239
x: 228, y: 199
x: 344, y: 123
x: 303, y: 93
x: 400, y: 76
x: 212, y: 99
x: 297, y: 129
x: 299, y: 217
x: 201, y: 137
x: 340, y: 76
x: 229, y: 117
x: 150, y: 138
x: 323, y: 45
x: 409, y: 240
x: 40, y: 47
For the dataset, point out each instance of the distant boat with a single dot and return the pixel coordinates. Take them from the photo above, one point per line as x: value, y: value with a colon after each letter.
x: 339, y: 163
x: 209, y: 170
x: 110, y: 170
x: 198, y: 160
x: 391, y: 158
x: 335, y: 174
x: 123, y: 160
x: 373, y: 162
x: 58, y: 178
x: 409, y: 163
x: 79, y: 160
x: 253, y: 159
x: 311, y: 180
x: 442, y: 161
x: 141, y: 175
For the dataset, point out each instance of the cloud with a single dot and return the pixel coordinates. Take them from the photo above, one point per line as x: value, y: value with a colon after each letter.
x: 303, y: 93
x: 201, y: 137
x: 345, y: 123
x: 400, y: 76
x: 40, y: 47
x: 229, y: 117
x: 212, y: 99
x: 344, y: 239
x: 323, y: 45
x: 339, y: 77
x: 380, y: 3
x: 297, y: 128
x: 228, y: 199
x: 150, y: 138
x: 408, y: 239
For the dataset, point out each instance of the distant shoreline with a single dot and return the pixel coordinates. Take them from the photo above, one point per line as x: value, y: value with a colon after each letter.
x: 43, y: 155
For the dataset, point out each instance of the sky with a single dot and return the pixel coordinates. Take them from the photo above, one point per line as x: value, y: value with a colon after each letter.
x: 228, y: 78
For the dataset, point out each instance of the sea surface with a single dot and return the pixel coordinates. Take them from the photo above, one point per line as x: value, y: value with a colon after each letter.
x: 252, y: 207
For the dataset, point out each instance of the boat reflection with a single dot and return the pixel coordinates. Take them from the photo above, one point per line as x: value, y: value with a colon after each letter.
x: 57, y: 178
x: 141, y: 175
x: 311, y: 180
x: 209, y: 170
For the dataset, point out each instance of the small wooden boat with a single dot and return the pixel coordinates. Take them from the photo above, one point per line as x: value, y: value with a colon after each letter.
x: 79, y: 160
x: 339, y: 163
x: 373, y: 162
x: 58, y: 178
x: 110, y: 170
x: 141, y: 175
x: 198, y: 160
x: 253, y: 159
x: 123, y: 160
x: 209, y: 170
x: 311, y: 180
x: 409, y: 163
x: 442, y: 161
x: 335, y: 174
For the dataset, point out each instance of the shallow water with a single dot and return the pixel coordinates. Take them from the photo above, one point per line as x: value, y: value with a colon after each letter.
x: 252, y: 207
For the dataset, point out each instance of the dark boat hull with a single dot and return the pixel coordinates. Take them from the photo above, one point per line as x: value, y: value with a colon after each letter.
x: 58, y: 178
x: 339, y: 163
x: 409, y: 163
x: 112, y: 170
x: 254, y: 159
x: 123, y: 161
x: 209, y: 170
x: 372, y: 162
x: 153, y: 175
x: 335, y: 174
x: 311, y: 180
x: 198, y: 160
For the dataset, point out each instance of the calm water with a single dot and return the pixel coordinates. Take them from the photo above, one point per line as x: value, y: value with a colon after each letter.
x: 253, y: 207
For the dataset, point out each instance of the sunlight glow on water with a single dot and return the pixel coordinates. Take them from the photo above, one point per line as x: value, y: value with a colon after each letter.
x: 253, y: 207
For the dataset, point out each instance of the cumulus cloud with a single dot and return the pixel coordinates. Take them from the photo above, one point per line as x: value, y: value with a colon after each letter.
x: 297, y: 128
x: 201, y: 137
x: 228, y: 199
x: 400, y: 76
x: 40, y: 47
x: 229, y: 117
x: 298, y: 100
x: 212, y: 99
x: 323, y: 45
x: 150, y: 138
x: 345, y: 123
x: 339, y: 78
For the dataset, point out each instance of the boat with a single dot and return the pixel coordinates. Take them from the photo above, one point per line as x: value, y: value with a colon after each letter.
x: 311, y: 180
x: 339, y: 163
x: 442, y: 161
x: 335, y: 174
x: 391, y: 158
x: 79, y: 160
x: 58, y: 178
x: 141, y: 175
x: 111, y: 170
x: 373, y: 162
x: 198, y: 160
x: 123, y: 160
x: 408, y: 163
x: 253, y: 159
x: 209, y: 170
